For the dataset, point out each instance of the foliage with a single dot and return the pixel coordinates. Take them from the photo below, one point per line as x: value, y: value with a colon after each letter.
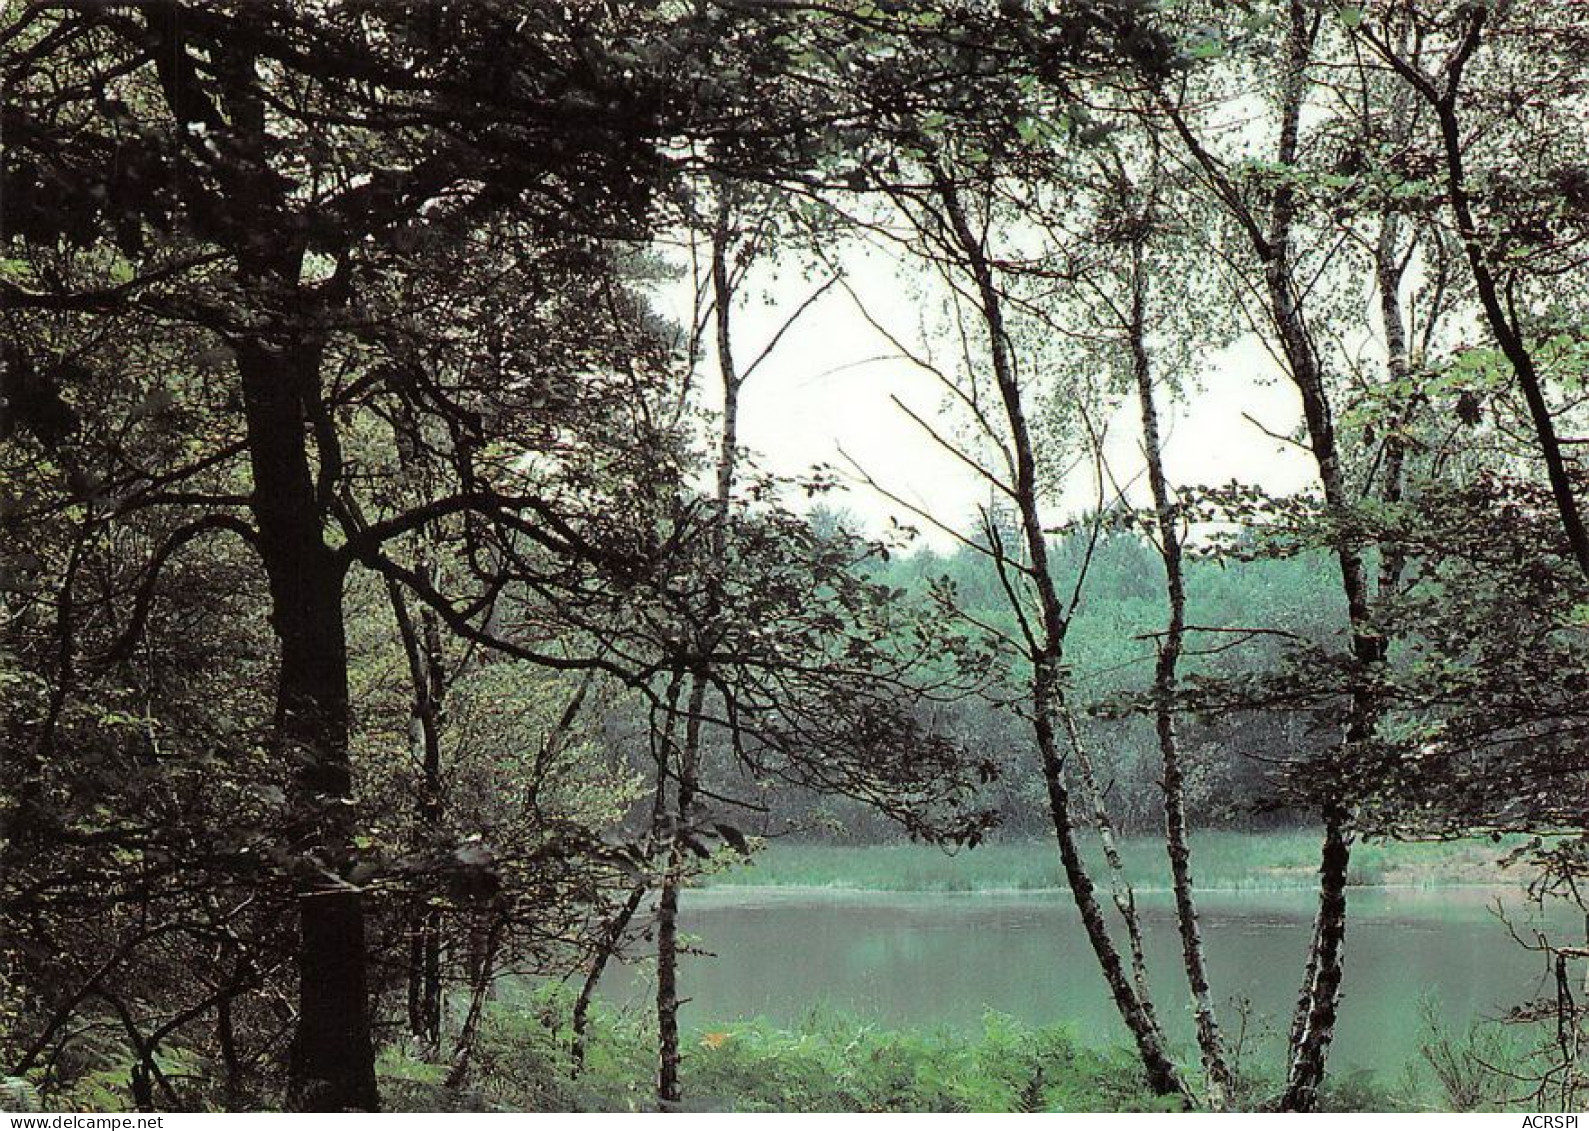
x: 829, y: 1063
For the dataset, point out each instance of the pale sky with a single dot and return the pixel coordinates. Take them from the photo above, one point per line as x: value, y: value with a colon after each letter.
x: 828, y: 387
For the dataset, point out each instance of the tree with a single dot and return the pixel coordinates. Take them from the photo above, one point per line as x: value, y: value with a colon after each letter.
x: 934, y: 202
x: 1528, y: 228
x: 268, y: 178
x: 1133, y: 212
x: 1268, y: 223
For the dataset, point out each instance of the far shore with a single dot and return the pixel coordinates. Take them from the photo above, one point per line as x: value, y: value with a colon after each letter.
x: 1223, y: 861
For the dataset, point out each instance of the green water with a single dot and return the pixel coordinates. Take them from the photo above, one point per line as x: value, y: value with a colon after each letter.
x: 910, y: 959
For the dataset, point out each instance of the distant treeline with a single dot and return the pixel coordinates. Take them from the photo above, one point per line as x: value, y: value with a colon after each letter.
x: 1238, y: 759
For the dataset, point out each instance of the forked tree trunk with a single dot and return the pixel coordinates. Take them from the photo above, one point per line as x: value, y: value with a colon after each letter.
x: 1046, y: 656
x: 1047, y: 700
x: 1166, y: 673
x: 1313, y: 1023
x: 1318, y: 1002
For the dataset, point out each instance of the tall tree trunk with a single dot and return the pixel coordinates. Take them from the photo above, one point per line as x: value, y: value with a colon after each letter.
x: 431, y: 812
x: 429, y: 682
x: 612, y: 937
x: 226, y: 1038
x: 1166, y: 673
x: 422, y: 645
x: 24, y: 779
x: 1318, y: 1003
x: 332, y: 1061
x: 332, y: 1065
x: 1509, y: 334
x: 425, y: 929
x: 668, y: 1089
x: 488, y: 939
x: 1047, y: 655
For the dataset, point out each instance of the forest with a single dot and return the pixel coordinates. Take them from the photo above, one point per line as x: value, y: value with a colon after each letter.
x: 423, y: 687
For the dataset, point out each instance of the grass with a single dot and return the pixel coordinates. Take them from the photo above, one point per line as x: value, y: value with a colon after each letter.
x: 831, y: 1062
x: 1221, y: 860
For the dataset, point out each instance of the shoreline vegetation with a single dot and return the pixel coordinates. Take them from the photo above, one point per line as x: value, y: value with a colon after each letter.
x: 830, y: 1061
x: 1279, y: 860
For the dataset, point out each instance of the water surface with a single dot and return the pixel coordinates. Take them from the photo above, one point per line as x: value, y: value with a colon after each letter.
x: 927, y: 959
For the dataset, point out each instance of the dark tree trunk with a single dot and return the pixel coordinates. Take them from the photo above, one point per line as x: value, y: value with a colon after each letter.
x: 430, y: 713
x: 24, y: 776
x: 226, y: 1037
x: 1495, y: 298
x: 488, y: 939
x: 1504, y: 325
x: 332, y: 1063
x: 611, y: 939
x: 428, y: 682
x: 425, y: 987
x: 668, y: 1089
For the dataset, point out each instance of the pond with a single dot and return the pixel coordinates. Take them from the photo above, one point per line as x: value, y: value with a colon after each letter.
x: 926, y: 959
